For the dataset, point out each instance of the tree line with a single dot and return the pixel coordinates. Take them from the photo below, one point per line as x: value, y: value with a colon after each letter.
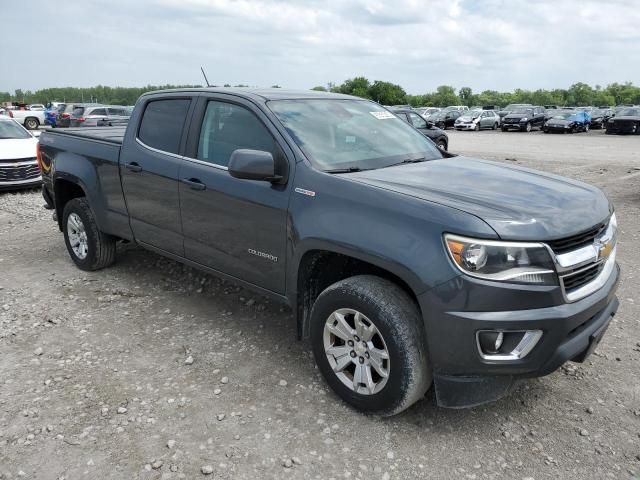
x: 386, y: 93
x: 578, y: 94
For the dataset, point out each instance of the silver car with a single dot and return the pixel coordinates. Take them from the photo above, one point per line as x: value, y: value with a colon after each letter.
x: 477, y: 119
x: 99, y: 116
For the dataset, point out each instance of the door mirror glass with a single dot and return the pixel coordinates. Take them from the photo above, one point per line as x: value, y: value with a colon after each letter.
x: 252, y: 165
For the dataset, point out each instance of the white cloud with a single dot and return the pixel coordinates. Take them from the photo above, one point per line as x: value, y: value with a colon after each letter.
x: 493, y: 44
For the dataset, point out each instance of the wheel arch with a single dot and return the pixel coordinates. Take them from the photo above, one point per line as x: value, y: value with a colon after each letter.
x: 320, y: 266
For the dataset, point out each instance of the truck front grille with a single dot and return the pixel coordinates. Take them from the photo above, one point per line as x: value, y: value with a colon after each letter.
x: 9, y: 172
x: 574, y: 280
x: 578, y: 240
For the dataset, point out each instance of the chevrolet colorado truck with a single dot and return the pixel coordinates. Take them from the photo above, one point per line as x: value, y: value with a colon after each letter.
x: 406, y: 267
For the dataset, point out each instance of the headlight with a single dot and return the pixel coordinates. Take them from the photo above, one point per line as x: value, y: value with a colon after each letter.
x: 524, y: 119
x: 511, y: 262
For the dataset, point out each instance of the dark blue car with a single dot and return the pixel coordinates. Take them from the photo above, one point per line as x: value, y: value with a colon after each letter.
x: 568, y: 121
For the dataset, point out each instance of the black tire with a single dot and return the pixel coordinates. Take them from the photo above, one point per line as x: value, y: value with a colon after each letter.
x: 504, y: 129
x: 31, y: 123
x: 442, y: 144
x: 527, y: 127
x: 495, y: 126
x: 397, y: 318
x: 477, y: 127
x: 101, y: 248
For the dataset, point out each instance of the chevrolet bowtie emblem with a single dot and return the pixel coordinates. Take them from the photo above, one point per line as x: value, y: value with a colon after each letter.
x: 604, y: 248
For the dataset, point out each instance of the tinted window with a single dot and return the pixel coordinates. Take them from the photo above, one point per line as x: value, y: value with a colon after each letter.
x: 226, y: 128
x: 117, y: 111
x: 162, y: 122
x: 417, y: 121
x: 97, y: 111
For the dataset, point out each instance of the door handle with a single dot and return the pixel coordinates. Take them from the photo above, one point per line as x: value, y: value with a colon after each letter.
x: 134, y: 167
x: 194, y: 183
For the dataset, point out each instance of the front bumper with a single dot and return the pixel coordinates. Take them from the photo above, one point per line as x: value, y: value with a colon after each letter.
x: 514, y: 126
x: 18, y: 184
x: 458, y: 309
x: 465, y: 126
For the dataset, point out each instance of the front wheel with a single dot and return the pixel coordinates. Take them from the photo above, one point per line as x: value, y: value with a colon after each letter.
x: 495, y: 126
x: 442, y: 144
x: 527, y: 127
x: 368, y: 341
x: 31, y: 123
x: 89, y: 248
x: 477, y: 127
x: 586, y: 127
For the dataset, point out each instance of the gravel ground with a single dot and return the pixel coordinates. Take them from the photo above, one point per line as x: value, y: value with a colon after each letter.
x: 152, y: 370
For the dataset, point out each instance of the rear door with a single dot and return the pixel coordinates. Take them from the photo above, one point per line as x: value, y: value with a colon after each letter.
x: 149, y: 166
x: 238, y: 227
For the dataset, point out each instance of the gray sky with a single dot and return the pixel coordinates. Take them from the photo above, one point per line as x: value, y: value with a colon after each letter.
x: 419, y: 44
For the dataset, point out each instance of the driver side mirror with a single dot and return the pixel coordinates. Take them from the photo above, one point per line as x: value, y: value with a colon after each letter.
x: 253, y: 165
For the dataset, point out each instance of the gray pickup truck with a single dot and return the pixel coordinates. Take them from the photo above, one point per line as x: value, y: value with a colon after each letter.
x: 404, y: 266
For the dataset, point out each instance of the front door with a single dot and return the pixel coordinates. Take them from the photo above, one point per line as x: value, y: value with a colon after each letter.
x: 235, y: 226
x: 149, y: 167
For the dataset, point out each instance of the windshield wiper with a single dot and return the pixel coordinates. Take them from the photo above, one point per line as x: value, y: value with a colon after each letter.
x: 409, y: 160
x: 346, y: 170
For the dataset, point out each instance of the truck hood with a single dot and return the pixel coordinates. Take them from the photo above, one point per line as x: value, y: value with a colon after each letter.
x: 518, y: 203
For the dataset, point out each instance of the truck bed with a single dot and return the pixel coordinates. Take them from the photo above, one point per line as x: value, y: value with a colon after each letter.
x: 106, y: 134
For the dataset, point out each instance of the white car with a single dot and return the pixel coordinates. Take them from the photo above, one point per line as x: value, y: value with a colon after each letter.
x: 36, y: 106
x: 477, y: 120
x: 18, y: 156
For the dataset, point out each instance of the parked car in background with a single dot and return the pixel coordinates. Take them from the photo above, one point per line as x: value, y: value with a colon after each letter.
x: 99, y: 116
x: 36, y: 106
x: 427, y: 128
x: 18, y: 164
x: 600, y: 117
x: 51, y: 115
x: 568, y: 121
x: 455, y: 108
x: 626, y: 120
x: 511, y: 107
x: 31, y: 119
x: 523, y: 119
x: 63, y: 120
x: 424, y: 112
x: 445, y: 119
x: 477, y: 120
x: 492, y: 107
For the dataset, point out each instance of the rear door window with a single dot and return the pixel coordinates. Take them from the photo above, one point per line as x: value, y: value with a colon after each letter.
x: 97, y: 111
x: 162, y: 124
x: 78, y: 111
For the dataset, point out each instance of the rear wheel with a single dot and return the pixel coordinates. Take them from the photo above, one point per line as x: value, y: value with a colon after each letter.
x: 89, y: 248
x: 31, y: 123
x: 368, y: 341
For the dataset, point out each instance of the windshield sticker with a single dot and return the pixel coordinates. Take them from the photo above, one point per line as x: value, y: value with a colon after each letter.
x: 383, y: 115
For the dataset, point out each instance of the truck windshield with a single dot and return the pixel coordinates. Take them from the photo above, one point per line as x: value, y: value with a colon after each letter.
x: 10, y: 130
x: 351, y: 134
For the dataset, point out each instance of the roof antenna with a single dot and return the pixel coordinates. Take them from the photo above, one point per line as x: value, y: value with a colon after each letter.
x: 205, y: 76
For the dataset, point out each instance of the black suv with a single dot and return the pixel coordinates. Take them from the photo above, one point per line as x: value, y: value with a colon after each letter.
x: 425, y: 127
x: 524, y: 119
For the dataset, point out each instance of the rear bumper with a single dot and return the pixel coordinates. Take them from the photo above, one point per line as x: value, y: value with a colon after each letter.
x: 460, y: 308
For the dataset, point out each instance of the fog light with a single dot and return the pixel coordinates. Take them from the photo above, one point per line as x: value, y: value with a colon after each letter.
x: 490, y: 342
x: 506, y: 345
